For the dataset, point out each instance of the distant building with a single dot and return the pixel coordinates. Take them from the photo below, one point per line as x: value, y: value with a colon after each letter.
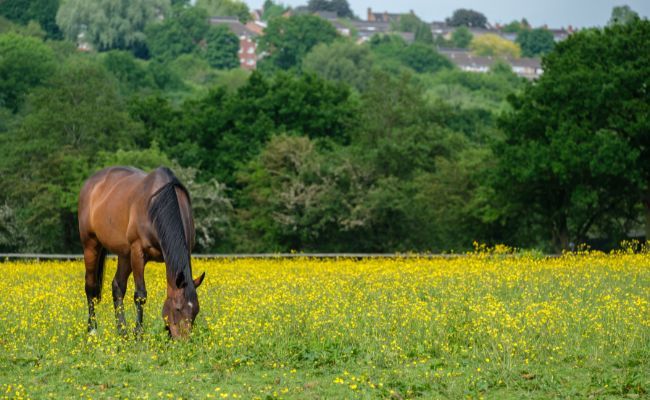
x: 247, y: 35
x: 384, y: 16
x: 530, y: 68
x: 441, y: 29
x: 560, y: 34
x: 328, y: 15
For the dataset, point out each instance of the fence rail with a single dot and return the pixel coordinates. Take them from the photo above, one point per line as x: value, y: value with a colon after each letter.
x: 38, y: 257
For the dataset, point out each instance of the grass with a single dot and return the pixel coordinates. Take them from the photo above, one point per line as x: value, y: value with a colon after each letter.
x: 483, y: 326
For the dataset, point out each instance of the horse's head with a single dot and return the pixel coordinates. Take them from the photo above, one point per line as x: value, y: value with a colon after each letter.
x: 182, y: 305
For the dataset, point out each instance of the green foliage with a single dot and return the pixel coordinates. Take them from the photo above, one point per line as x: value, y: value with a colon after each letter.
x: 494, y: 46
x: 286, y: 196
x: 42, y: 12
x: 179, y: 34
x: 13, y: 235
x: 25, y: 62
x: 225, y: 8
x: 516, y: 26
x: 469, y: 90
x: 411, y: 23
x: 296, y: 159
x: 424, y: 58
x: 466, y: 17
x: 272, y: 10
x: 195, y: 72
x: 288, y: 40
x: 342, y: 61
x: 110, y: 24
x: 222, y: 130
x: 423, y: 34
x: 131, y: 73
x: 535, y: 42
x: 73, y: 117
x: 417, y: 56
x: 222, y: 48
x: 623, y: 15
x: 340, y: 7
x: 573, y: 156
x: 461, y: 37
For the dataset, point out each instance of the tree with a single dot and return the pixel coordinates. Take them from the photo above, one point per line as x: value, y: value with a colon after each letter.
x: 131, y: 74
x: 465, y: 17
x: 574, y: 158
x: 223, y: 130
x: 13, y: 235
x: 222, y: 48
x: 423, y: 58
x: 271, y: 10
x: 179, y: 34
x: 535, y: 42
x: 225, y: 8
x: 25, y: 62
x: 74, y: 116
x: 41, y: 11
x: 412, y: 23
x: 516, y: 26
x: 286, y: 197
x: 495, y: 46
x: 288, y: 40
x: 392, y: 53
x: 423, y: 34
x: 342, y: 61
x: 340, y: 7
x: 623, y: 15
x: 110, y: 24
x: 461, y: 37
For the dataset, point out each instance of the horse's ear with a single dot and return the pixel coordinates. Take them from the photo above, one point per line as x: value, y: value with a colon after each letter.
x: 180, y: 280
x: 198, y: 281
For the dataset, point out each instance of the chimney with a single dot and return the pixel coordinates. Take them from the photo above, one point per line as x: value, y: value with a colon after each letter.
x: 385, y: 16
x: 370, y: 16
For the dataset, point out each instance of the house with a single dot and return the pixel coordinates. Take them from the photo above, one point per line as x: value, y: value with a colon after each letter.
x: 561, y: 33
x: 529, y: 68
x: 441, y: 29
x: 383, y: 17
x: 247, y: 35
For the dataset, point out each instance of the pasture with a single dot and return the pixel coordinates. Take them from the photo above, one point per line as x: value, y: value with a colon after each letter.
x: 481, y: 326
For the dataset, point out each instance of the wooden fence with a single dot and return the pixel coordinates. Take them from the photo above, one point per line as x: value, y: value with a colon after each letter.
x: 35, y: 256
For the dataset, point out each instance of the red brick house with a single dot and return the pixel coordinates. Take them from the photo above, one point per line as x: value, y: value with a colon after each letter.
x: 247, y: 39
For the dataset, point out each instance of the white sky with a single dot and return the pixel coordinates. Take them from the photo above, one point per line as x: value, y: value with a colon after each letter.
x: 554, y: 13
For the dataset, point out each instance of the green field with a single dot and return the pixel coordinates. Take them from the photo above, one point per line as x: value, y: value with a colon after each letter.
x: 482, y: 326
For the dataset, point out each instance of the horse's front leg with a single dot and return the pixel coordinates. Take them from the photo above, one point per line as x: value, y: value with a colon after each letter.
x: 119, y: 289
x: 140, y: 296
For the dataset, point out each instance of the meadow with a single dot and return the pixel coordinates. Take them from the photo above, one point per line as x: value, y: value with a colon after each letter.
x: 481, y: 326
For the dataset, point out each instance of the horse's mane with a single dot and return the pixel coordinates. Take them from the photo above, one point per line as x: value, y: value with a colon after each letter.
x: 165, y: 215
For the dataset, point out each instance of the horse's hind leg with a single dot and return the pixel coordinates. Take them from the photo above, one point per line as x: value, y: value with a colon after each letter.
x: 119, y: 289
x: 94, y: 255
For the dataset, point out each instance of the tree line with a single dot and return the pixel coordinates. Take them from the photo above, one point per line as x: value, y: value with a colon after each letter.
x: 329, y: 145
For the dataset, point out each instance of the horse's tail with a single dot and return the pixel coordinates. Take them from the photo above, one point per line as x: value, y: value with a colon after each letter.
x: 101, y: 262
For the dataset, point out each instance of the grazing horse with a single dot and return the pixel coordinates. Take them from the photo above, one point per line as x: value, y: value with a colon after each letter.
x: 139, y: 217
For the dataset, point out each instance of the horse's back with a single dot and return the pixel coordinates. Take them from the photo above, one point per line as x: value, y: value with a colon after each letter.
x: 105, y: 206
x: 113, y: 206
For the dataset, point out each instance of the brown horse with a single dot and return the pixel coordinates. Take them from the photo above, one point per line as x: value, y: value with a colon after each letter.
x: 139, y: 217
